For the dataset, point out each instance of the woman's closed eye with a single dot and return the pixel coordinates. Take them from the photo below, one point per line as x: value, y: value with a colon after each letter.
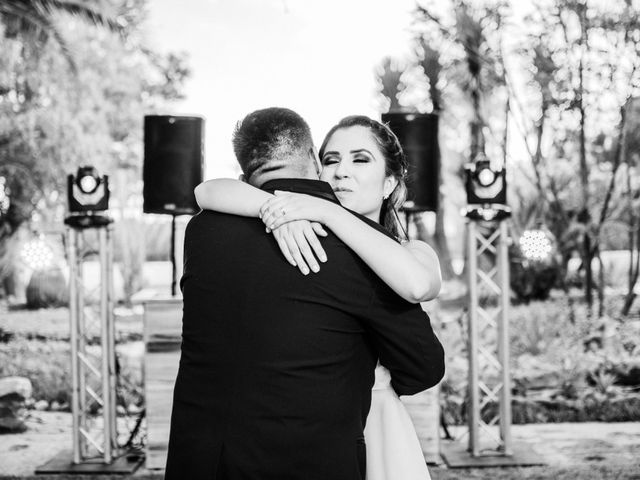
x: 361, y: 159
x: 329, y: 160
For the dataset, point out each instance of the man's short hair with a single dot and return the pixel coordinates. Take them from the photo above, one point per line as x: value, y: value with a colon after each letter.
x: 271, y: 139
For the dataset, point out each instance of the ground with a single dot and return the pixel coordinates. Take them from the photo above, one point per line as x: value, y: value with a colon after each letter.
x: 571, y: 451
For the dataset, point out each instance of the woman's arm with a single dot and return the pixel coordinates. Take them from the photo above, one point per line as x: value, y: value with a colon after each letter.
x: 412, y: 270
x: 298, y: 241
x: 231, y: 196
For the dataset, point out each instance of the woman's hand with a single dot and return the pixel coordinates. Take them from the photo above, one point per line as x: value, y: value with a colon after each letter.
x: 286, y: 206
x: 298, y: 240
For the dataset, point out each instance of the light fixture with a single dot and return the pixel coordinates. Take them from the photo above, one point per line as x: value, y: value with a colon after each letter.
x: 37, y: 254
x: 486, y: 177
x: 88, y: 191
x: 4, y: 197
x: 88, y: 183
x: 536, y: 245
x: 486, y: 190
x: 485, y: 185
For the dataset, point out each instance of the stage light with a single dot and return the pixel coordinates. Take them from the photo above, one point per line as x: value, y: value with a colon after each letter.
x: 486, y: 176
x: 88, y: 191
x: 486, y: 190
x: 536, y: 245
x: 37, y: 254
x: 485, y: 185
x: 4, y: 196
x: 88, y: 183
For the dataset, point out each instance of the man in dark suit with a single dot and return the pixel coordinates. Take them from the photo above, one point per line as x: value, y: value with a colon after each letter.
x: 277, y: 368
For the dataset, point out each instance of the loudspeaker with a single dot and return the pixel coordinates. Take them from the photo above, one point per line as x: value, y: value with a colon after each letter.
x: 418, y: 135
x: 173, y: 163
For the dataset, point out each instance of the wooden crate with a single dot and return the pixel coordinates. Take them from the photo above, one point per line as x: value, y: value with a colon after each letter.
x: 162, y: 335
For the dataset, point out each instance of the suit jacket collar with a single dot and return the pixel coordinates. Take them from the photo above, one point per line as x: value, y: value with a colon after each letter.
x: 317, y: 188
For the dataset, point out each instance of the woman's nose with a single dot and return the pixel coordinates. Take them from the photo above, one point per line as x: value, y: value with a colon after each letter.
x: 342, y: 170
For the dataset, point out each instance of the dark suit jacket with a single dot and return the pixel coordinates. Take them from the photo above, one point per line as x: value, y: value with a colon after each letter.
x: 276, y: 368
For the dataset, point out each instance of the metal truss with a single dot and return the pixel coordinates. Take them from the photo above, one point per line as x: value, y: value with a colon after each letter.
x: 488, y: 339
x: 93, y: 361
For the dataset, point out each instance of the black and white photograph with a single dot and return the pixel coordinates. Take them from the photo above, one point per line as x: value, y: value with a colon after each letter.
x: 319, y: 240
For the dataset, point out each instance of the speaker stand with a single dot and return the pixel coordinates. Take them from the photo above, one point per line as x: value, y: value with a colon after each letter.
x: 174, y: 269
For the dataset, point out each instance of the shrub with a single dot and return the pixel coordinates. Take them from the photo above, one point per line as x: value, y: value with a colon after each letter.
x: 130, y: 251
x: 532, y: 280
x: 46, y: 364
x: 556, y: 373
x: 47, y: 288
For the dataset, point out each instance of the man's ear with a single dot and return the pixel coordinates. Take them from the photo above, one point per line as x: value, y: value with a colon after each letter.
x: 316, y: 160
x: 242, y: 178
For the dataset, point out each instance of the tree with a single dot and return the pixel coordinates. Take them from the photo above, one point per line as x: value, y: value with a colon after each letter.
x: 584, y: 70
x: 54, y: 119
x: 460, y: 57
x: 393, y: 88
x: 34, y: 21
x: 632, y: 192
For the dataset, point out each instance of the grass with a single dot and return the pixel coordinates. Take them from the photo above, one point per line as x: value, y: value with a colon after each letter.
x: 54, y: 324
x: 36, y: 346
x: 50, y: 323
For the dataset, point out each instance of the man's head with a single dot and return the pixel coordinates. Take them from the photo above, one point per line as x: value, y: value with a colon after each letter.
x: 274, y: 143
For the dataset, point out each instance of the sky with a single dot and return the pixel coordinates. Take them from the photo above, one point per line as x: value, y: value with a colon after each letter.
x: 316, y: 57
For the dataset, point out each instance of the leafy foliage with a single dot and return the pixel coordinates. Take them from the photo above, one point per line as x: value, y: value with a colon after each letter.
x: 47, y: 288
x: 54, y: 119
x: 561, y: 370
x: 389, y: 75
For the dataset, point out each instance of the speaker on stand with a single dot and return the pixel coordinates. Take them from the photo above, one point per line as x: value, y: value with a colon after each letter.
x: 418, y: 135
x: 173, y: 167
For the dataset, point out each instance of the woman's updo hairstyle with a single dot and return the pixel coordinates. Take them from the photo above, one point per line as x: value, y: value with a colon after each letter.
x: 395, y: 165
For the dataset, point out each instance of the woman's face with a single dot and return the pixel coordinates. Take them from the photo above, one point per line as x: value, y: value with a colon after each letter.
x: 355, y: 167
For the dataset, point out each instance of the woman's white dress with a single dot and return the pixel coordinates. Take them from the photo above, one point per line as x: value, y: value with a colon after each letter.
x: 393, y: 449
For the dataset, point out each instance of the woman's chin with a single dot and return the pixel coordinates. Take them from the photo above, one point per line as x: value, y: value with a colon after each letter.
x: 346, y: 199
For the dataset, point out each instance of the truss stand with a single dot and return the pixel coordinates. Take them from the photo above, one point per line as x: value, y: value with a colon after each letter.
x: 488, y: 348
x: 93, y: 367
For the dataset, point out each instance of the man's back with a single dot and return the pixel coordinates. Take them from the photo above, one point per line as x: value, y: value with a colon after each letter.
x: 276, y: 368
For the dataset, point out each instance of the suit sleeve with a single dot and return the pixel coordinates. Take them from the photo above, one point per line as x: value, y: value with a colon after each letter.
x: 406, y: 344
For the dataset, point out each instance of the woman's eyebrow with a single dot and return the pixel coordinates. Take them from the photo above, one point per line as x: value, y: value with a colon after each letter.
x: 330, y: 153
x: 360, y: 151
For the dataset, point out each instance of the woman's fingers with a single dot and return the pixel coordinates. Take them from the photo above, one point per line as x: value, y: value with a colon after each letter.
x: 269, y: 206
x: 305, y: 249
x: 311, y: 237
x: 295, y: 253
x: 300, y: 245
x: 270, y: 214
x: 281, y: 221
x: 284, y: 248
x: 280, y: 215
x: 319, y: 229
x: 281, y: 209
